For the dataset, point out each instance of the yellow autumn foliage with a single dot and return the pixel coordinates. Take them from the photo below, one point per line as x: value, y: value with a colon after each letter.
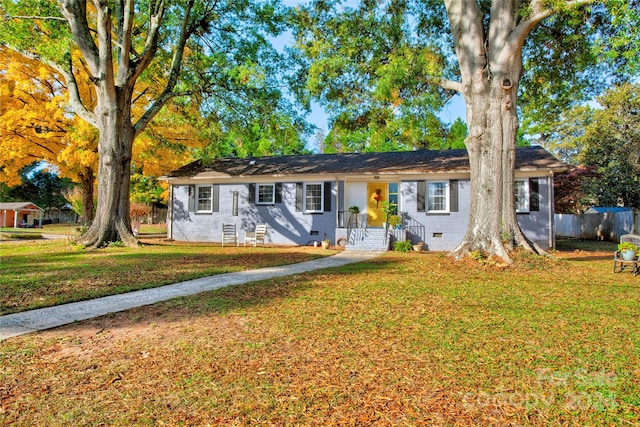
x: 34, y: 123
x: 37, y: 125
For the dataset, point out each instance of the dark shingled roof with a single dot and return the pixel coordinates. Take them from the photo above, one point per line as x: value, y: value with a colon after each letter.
x: 420, y: 161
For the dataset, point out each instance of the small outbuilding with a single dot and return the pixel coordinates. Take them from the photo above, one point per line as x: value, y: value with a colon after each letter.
x: 607, y: 209
x: 20, y: 214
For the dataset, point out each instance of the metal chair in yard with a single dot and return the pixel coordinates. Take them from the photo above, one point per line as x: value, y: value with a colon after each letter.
x: 229, y: 234
x: 622, y: 262
x: 256, y: 236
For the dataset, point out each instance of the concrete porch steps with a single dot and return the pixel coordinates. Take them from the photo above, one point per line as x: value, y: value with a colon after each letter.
x: 368, y: 239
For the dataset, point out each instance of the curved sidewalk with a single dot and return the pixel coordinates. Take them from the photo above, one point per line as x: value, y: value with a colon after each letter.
x: 12, y: 325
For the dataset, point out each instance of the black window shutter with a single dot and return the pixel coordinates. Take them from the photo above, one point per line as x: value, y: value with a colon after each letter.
x: 453, y: 195
x: 534, y: 195
x: 421, y: 196
x: 299, y: 188
x: 192, y: 198
x: 215, y: 194
x: 278, y: 192
x: 327, y: 196
x: 252, y: 193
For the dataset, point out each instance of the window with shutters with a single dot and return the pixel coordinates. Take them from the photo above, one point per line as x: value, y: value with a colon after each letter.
x: 522, y: 195
x: 438, y: 197
x: 204, y: 198
x: 313, y: 197
x: 265, y: 194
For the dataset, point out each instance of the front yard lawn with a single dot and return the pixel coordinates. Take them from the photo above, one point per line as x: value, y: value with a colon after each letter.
x: 405, y: 339
x: 50, y: 272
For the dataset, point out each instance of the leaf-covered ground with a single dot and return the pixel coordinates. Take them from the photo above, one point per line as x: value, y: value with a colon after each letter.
x: 49, y: 272
x: 406, y: 339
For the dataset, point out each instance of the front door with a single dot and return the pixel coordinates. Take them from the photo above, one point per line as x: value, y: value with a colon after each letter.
x: 377, y: 193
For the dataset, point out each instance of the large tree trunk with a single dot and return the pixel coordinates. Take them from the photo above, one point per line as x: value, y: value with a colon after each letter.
x: 491, y: 67
x: 87, y: 178
x: 114, y: 69
x: 112, y: 221
x: 493, y: 226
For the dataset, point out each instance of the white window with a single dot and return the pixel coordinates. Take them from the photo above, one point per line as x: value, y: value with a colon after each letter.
x: 265, y: 194
x: 313, y: 197
x: 522, y: 195
x: 393, y: 197
x: 204, y: 198
x: 438, y: 196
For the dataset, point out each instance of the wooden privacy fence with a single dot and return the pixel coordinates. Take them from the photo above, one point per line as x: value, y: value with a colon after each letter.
x: 598, y: 226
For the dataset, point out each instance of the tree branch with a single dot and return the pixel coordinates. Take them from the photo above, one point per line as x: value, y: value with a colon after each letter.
x: 75, y: 100
x: 465, y: 19
x: 105, y: 50
x: 167, y: 93
x: 538, y: 14
x: 151, y: 43
x: 39, y: 18
x: 75, y: 13
x: 124, y: 40
x: 448, y: 84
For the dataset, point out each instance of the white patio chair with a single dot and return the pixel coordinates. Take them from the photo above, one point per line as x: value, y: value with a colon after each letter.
x: 229, y: 234
x: 256, y: 236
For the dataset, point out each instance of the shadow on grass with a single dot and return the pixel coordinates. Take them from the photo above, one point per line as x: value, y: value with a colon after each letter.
x: 585, y: 250
x: 225, y: 300
x: 589, y: 257
x: 566, y: 244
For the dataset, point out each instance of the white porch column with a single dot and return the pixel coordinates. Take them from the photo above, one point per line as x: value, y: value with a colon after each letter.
x: 170, y: 214
x: 338, y: 203
x: 15, y: 219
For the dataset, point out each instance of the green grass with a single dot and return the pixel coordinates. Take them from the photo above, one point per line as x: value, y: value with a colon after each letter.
x: 405, y: 339
x: 71, y: 230
x: 51, y: 272
x: 61, y: 229
x: 19, y: 236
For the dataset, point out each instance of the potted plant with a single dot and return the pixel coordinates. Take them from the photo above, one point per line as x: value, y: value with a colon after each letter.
x: 326, y: 243
x: 628, y: 250
x: 389, y: 209
x: 354, y: 211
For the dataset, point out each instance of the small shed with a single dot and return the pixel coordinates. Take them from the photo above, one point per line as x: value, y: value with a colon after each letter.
x: 606, y: 209
x: 20, y: 214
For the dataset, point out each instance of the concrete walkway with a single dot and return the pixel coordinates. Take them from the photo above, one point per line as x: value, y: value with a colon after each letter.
x: 26, y: 322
